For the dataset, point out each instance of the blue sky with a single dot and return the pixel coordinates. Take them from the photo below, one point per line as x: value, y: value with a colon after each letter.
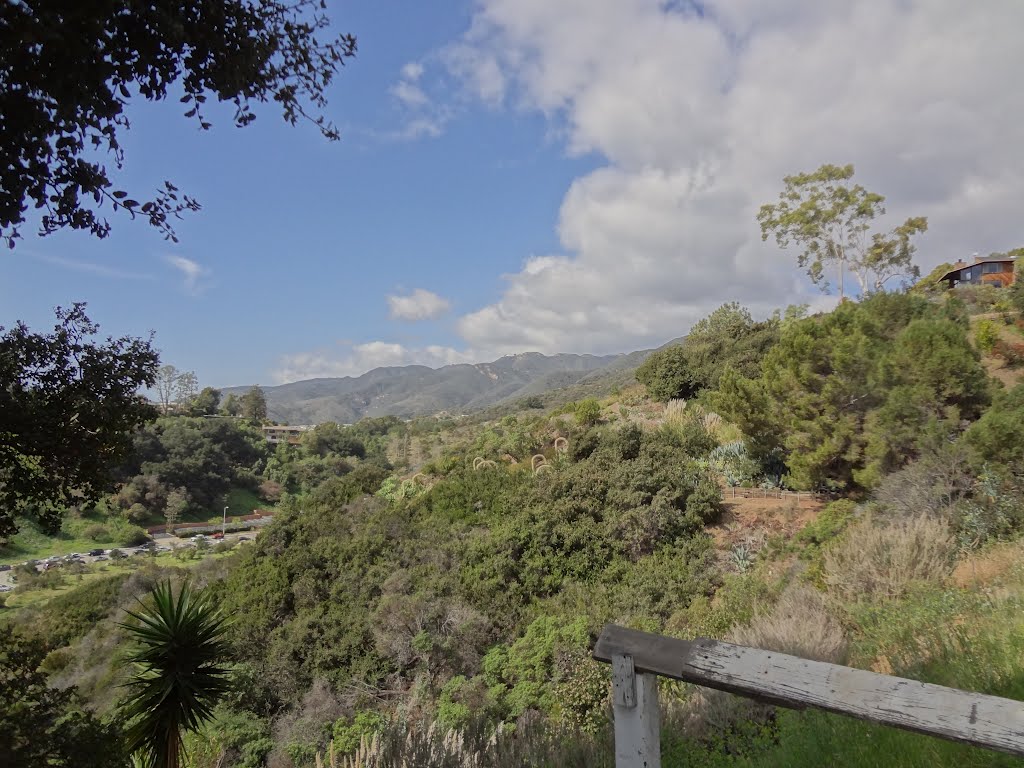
x: 559, y: 176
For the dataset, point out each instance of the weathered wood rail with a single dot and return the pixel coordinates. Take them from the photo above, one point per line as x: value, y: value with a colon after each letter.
x: 638, y: 658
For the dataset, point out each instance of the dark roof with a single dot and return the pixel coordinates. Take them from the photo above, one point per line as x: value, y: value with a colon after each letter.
x: 986, y: 260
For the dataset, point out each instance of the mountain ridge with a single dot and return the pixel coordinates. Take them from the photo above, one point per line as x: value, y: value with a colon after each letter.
x: 418, y: 390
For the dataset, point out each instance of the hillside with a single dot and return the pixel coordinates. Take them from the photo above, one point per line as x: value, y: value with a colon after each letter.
x: 846, y: 487
x: 416, y: 390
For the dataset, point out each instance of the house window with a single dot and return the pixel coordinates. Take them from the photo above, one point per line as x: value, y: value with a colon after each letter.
x: 996, y: 283
x: 990, y: 268
x: 966, y: 275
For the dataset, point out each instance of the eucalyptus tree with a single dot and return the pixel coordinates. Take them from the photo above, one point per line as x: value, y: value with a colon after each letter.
x: 830, y: 220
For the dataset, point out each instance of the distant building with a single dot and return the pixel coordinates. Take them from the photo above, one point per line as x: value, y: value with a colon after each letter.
x: 996, y: 271
x: 283, y: 434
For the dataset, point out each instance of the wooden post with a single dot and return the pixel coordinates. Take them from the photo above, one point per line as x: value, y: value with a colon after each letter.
x: 788, y: 681
x: 637, y: 719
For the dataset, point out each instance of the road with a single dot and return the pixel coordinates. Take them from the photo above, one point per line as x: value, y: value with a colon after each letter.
x: 163, y: 541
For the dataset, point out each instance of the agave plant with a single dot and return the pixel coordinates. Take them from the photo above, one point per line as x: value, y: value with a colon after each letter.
x: 743, y: 558
x: 179, y: 678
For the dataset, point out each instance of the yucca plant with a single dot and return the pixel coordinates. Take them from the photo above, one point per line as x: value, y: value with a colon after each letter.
x: 179, y: 678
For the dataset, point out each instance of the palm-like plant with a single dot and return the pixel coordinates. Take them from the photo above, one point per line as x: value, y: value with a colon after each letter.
x: 179, y: 678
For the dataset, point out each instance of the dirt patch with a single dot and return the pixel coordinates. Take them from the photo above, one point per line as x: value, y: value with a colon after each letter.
x: 998, y: 370
x: 750, y: 521
x: 994, y: 366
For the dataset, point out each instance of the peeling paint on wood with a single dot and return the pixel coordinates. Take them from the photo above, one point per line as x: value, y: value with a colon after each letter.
x: 948, y: 713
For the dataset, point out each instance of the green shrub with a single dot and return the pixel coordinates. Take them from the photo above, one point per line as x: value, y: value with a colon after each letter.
x: 828, y: 525
x: 133, y: 536
x: 348, y: 732
x: 452, y: 713
x: 705, y: 501
x: 587, y: 412
x: 137, y: 513
x: 986, y: 334
x: 97, y: 532
x: 73, y: 614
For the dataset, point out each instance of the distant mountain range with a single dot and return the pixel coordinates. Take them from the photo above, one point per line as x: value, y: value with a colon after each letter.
x: 416, y: 390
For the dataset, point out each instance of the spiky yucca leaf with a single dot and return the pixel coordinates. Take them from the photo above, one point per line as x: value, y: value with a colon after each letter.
x: 179, y: 679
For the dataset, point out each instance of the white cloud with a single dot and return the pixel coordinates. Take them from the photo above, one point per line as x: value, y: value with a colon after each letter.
x: 410, y: 95
x: 412, y: 71
x: 364, y: 357
x: 422, y: 116
x: 191, y: 271
x: 418, y: 305
x: 418, y: 128
x: 699, y: 115
x: 96, y: 269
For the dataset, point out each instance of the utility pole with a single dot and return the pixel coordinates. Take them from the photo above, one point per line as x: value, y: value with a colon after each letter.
x: 224, y: 523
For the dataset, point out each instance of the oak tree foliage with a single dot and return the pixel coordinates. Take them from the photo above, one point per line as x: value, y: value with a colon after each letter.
x: 70, y: 68
x: 69, y: 404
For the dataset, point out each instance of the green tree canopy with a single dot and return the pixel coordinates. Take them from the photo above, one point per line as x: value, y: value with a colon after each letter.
x: 998, y: 436
x: 42, y: 726
x: 847, y: 396
x: 727, y: 338
x: 232, y: 405
x: 206, y: 402
x: 253, y: 405
x: 330, y: 437
x: 830, y: 221
x: 69, y: 405
x: 71, y: 68
x: 204, y: 456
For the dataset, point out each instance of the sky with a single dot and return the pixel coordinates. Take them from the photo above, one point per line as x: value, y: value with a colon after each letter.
x: 543, y: 175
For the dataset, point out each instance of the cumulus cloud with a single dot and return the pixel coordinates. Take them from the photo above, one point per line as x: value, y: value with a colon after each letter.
x: 192, y: 272
x: 424, y: 118
x: 361, y: 358
x: 412, y: 71
x: 698, y: 113
x: 410, y: 95
x: 421, y: 304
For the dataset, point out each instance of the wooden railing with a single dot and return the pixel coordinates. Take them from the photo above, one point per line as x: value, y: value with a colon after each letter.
x: 639, y: 658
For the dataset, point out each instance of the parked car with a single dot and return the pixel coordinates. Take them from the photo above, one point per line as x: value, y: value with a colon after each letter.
x: 218, y: 535
x: 5, y: 568
x: 95, y: 552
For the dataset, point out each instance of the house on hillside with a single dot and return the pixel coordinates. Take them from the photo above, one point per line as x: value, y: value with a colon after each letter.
x: 283, y: 434
x: 990, y: 270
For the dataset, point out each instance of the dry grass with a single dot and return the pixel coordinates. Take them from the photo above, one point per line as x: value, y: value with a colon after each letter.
x: 412, y: 745
x: 799, y: 624
x: 990, y: 566
x: 881, y: 561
